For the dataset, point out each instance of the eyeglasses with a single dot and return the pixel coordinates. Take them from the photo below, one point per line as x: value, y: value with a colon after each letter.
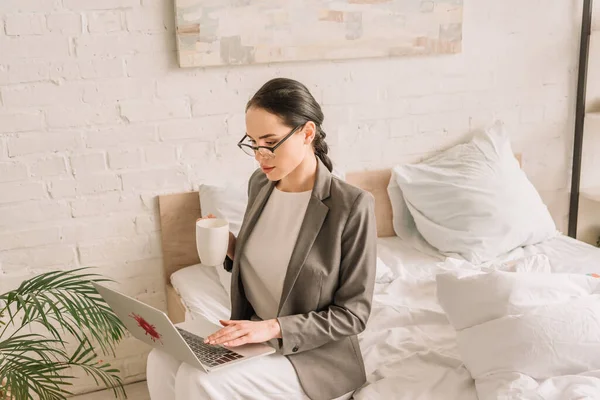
x: 264, y: 151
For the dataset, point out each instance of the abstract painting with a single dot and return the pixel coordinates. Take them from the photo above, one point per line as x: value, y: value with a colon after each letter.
x: 230, y: 32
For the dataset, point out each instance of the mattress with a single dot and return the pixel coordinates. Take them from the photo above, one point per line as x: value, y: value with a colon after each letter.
x: 409, y: 348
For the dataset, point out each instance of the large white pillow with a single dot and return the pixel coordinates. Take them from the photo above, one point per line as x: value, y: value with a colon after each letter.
x: 474, y: 200
x: 403, y: 221
x: 227, y: 202
x: 536, y: 324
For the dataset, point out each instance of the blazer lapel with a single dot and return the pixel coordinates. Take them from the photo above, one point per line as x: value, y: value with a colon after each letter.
x: 310, y: 228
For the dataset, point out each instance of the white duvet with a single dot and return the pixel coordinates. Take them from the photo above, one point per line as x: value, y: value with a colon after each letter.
x: 409, y: 347
x: 411, y: 350
x: 528, y: 334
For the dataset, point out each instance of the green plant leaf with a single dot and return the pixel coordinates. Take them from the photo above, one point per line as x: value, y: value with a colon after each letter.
x: 61, y: 303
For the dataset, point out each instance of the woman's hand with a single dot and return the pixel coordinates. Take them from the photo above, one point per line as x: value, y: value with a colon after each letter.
x: 231, y: 245
x: 237, y: 333
x: 209, y: 216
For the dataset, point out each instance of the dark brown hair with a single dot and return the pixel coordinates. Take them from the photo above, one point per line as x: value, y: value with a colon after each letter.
x: 292, y: 102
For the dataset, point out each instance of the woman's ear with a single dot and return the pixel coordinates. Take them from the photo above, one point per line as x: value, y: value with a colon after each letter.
x: 310, y: 130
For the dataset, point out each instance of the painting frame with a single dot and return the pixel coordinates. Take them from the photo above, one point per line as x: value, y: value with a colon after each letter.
x: 213, y: 33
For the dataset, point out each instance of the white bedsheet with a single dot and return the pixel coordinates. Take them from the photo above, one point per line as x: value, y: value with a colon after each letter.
x: 409, y: 347
x: 202, y: 293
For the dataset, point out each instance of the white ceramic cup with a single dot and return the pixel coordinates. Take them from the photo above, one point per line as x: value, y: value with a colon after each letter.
x: 212, y: 240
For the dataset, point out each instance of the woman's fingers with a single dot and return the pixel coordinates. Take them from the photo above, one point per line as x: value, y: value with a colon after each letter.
x: 229, y: 337
x: 237, y: 342
x: 237, y: 333
x: 208, y: 216
x: 215, y: 336
x: 222, y: 332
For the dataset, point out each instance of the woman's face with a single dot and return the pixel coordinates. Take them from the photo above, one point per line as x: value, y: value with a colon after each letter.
x: 266, y: 129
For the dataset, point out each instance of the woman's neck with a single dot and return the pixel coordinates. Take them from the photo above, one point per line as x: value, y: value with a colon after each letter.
x: 302, y: 178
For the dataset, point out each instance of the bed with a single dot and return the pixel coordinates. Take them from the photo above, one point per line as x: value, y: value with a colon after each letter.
x: 409, y: 347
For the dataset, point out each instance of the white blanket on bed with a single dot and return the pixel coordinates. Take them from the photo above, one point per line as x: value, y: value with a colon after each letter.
x: 409, y: 347
x: 527, y: 334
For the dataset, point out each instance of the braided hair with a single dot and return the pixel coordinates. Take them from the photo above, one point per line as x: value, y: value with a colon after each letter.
x: 291, y: 101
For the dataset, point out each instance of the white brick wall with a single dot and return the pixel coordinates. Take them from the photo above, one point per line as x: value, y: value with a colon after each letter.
x: 96, y: 119
x: 160, y: 154
x: 48, y: 166
x: 112, y: 203
x: 48, y: 47
x: 42, y: 142
x: 39, y: 258
x: 42, y: 94
x: 83, y: 164
x: 65, y: 23
x: 81, y: 115
x: 122, y: 135
x: 12, y: 6
x: 106, y: 21
x: 18, y: 121
x: 138, y: 111
x: 84, y: 5
x: 27, y: 214
x: 25, y: 24
x: 29, y: 238
x: 21, y: 191
x: 124, y: 159
x: 12, y: 171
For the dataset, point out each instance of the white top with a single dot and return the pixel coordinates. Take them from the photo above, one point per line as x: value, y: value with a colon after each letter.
x: 267, y: 253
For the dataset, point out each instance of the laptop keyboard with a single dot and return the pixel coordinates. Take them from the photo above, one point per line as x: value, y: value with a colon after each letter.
x: 208, y: 355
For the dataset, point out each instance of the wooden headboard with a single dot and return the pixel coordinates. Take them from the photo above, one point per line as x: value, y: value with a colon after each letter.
x: 178, y: 215
x: 376, y: 182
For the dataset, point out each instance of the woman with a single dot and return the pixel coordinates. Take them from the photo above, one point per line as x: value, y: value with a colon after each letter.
x: 303, y: 265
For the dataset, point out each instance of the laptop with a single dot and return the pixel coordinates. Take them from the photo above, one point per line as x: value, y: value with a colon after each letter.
x: 184, y: 342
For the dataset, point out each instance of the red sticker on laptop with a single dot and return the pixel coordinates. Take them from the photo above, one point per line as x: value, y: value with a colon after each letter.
x: 148, y: 327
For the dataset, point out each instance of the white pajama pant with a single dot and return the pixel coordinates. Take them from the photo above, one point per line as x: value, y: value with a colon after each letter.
x: 269, y: 377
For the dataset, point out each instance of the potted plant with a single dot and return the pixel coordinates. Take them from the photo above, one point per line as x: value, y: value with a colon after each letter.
x: 68, y: 309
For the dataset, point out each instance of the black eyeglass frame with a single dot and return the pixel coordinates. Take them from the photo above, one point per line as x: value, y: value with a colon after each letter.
x: 272, y: 149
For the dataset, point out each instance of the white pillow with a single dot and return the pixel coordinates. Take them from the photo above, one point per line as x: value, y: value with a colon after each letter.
x: 403, y: 221
x: 225, y: 202
x: 537, y: 324
x: 474, y: 200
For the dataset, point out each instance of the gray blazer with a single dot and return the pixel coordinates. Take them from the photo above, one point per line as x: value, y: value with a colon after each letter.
x: 328, y: 287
